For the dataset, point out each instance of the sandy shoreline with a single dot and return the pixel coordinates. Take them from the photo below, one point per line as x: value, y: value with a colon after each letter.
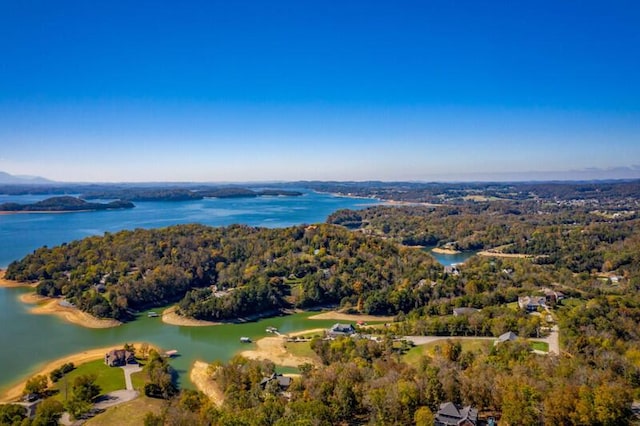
x: 49, y: 306
x: 170, y: 316
x: 273, y: 349
x: 441, y: 250
x: 487, y: 253
x: 199, y: 375
x: 13, y: 392
x: 334, y: 315
x: 11, y: 283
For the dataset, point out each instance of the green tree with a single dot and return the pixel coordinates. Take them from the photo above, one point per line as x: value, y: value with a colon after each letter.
x: 12, y: 414
x: 36, y: 385
x: 424, y: 417
x: 48, y: 413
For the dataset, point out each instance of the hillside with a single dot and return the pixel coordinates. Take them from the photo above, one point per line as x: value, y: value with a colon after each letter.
x: 225, y: 273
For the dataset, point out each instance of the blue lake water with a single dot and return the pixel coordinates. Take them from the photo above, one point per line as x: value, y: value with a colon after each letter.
x: 451, y: 259
x: 29, y: 340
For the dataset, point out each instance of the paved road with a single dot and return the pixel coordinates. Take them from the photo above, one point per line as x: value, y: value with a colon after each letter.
x: 552, y: 340
x: 423, y: 340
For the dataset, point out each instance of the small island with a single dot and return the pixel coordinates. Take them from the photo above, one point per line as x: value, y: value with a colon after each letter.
x: 63, y: 204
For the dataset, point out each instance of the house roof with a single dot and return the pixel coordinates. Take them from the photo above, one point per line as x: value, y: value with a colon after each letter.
x: 508, y: 336
x: 283, y: 381
x: 342, y: 328
x: 449, y: 414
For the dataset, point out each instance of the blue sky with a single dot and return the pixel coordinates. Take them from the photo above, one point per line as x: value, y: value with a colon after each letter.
x: 289, y: 90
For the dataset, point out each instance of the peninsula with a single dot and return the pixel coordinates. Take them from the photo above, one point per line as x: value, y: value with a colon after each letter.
x: 63, y: 204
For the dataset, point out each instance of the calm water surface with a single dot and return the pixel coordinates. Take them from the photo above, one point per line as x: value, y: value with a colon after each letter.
x: 28, y: 341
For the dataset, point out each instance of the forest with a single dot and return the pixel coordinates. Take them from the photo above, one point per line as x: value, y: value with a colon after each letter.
x: 227, y: 273
x: 376, y: 260
x: 64, y: 203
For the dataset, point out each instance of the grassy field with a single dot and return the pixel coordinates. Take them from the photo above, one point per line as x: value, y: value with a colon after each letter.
x: 137, y: 380
x: 108, y: 378
x: 128, y: 414
x: 414, y: 354
x: 540, y: 346
x: 302, y: 349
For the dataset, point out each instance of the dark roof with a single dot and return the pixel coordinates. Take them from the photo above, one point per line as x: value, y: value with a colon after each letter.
x: 342, y: 328
x: 508, y: 336
x: 283, y: 381
x: 449, y: 414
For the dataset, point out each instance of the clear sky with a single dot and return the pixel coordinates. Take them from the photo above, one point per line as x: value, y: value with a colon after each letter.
x: 341, y: 90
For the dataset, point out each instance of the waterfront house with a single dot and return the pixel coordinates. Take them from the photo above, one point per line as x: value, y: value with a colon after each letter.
x: 119, y: 357
x: 341, y: 330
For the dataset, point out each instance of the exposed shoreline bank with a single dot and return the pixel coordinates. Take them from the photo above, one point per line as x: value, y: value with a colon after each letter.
x: 273, y: 349
x: 199, y: 375
x: 11, y: 283
x: 171, y: 317
x: 441, y: 250
x: 51, y: 306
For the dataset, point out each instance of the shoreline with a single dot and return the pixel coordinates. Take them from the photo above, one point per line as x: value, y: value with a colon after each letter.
x: 199, y: 376
x: 13, y: 392
x: 440, y: 250
x: 274, y: 350
x: 51, y: 306
x: 5, y: 283
x: 171, y: 317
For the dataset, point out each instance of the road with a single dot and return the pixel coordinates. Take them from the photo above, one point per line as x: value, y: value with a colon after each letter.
x: 552, y: 340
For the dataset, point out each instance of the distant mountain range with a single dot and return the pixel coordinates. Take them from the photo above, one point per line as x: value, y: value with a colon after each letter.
x: 6, y: 178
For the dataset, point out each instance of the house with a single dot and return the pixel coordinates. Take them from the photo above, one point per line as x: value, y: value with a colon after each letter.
x: 552, y: 296
x: 532, y: 303
x: 283, y: 382
x: 459, y: 312
x: 119, y: 357
x: 452, y: 269
x: 451, y: 415
x: 509, y: 336
x: 341, y: 330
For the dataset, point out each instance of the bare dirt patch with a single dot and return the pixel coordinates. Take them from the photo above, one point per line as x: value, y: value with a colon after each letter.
x: 201, y: 378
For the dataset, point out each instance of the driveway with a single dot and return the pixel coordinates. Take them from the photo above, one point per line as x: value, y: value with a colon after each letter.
x: 129, y: 369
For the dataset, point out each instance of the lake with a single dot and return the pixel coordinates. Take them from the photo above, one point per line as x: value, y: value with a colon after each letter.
x: 29, y: 340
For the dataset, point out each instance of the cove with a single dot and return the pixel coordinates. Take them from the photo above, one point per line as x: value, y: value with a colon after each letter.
x: 450, y: 259
x: 29, y: 341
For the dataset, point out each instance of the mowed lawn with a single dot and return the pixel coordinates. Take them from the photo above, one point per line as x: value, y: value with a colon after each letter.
x: 301, y: 349
x: 108, y: 378
x: 414, y: 354
x: 129, y: 413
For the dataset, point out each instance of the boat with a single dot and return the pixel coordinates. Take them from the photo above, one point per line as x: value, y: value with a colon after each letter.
x: 171, y: 353
x: 245, y: 339
x: 152, y: 314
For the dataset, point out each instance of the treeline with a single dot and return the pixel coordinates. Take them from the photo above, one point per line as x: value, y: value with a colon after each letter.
x: 64, y: 203
x: 577, y: 238
x: 365, y: 382
x: 219, y: 273
x: 184, y: 194
x: 620, y: 194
